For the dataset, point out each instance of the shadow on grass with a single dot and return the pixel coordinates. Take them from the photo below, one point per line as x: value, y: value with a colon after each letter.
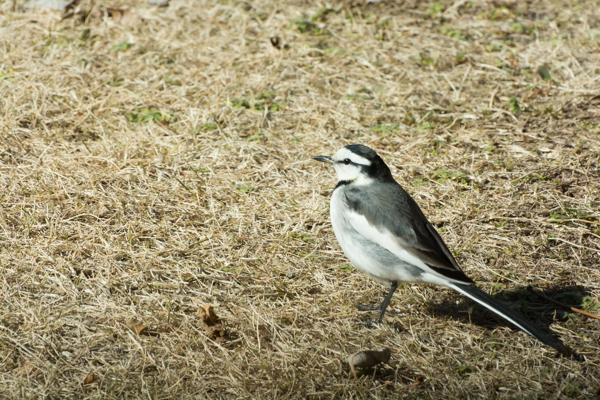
x: 540, y: 312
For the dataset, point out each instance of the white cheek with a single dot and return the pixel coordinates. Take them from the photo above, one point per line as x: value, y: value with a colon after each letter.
x: 363, y: 180
x: 346, y: 172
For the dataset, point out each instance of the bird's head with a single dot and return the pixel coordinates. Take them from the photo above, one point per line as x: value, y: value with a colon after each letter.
x: 357, y: 164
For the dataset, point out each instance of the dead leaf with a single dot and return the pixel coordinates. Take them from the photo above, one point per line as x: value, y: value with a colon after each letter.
x: 210, y: 322
x: 137, y: 327
x: 368, y: 359
x: 91, y: 378
x: 417, y: 382
x: 124, y: 16
x: 208, y: 315
x: 217, y: 333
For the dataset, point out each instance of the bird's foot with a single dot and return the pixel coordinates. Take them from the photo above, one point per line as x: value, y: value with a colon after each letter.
x: 363, y: 307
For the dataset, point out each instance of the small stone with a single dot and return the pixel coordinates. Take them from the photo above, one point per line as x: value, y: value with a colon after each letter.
x: 368, y: 359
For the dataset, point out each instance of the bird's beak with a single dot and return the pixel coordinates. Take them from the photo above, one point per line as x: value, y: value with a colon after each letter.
x: 326, y: 159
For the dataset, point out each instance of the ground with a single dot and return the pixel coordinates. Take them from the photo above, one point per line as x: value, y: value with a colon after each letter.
x: 156, y: 161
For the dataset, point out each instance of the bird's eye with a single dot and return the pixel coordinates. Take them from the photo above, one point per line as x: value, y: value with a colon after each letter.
x: 347, y: 161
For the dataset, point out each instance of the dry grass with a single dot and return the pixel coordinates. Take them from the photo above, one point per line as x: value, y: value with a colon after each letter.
x: 149, y: 170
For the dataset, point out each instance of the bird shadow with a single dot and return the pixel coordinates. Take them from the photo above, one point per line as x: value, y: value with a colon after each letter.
x: 454, y: 306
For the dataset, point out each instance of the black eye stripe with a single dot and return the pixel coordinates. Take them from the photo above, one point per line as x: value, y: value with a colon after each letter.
x: 348, y: 161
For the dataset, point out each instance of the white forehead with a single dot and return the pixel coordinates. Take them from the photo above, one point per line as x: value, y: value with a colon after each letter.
x: 344, y: 153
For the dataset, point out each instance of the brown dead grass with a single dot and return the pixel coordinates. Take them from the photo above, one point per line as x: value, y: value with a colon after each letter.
x: 142, y: 178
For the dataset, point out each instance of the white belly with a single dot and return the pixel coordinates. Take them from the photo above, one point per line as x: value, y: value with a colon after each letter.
x: 367, y: 256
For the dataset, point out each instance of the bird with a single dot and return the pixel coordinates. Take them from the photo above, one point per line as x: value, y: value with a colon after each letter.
x: 384, y: 233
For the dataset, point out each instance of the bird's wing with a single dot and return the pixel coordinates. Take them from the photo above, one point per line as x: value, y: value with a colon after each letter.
x: 389, y: 217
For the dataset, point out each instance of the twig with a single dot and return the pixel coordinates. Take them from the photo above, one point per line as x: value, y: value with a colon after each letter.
x: 573, y: 244
x: 577, y: 310
x: 573, y: 220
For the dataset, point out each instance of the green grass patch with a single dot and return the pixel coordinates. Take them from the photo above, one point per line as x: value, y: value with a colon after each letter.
x: 494, y: 47
x: 514, y: 105
x: 441, y: 175
x: 257, y: 137
x: 123, y: 46
x: 464, y: 369
x: 544, y: 73
x: 245, y: 187
x: 453, y: 33
x: 426, y: 126
x: 146, y: 115
x: 259, y: 102
x: 346, y: 268
x: 385, y: 128
x: 322, y: 14
x: 211, y: 126
x: 435, y: 8
x: 5, y: 75
x: 426, y: 61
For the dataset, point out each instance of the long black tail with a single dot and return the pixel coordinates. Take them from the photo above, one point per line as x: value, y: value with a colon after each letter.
x: 491, y: 303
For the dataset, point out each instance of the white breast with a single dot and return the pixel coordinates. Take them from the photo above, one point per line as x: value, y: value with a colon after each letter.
x: 363, y: 251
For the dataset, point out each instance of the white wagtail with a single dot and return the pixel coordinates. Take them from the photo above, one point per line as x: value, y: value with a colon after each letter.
x: 384, y: 233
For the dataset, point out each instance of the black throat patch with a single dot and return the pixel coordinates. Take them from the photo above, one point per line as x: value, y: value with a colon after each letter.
x: 342, y: 183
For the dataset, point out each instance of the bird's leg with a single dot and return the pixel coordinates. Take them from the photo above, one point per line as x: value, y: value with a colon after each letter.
x: 381, y: 308
x: 386, y: 301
